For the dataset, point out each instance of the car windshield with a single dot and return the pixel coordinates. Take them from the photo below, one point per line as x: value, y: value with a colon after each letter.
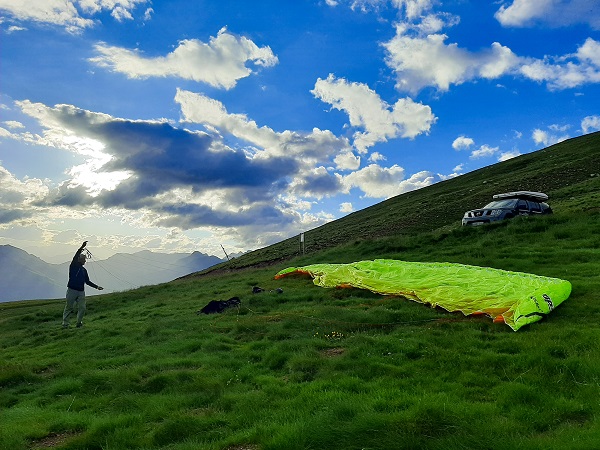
x: 497, y: 204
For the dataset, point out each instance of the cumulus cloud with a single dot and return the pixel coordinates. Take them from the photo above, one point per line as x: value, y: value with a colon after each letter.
x: 173, y: 177
x: 414, y: 8
x: 314, y: 148
x: 376, y: 156
x: 18, y: 196
x: 366, y: 110
x: 484, y: 151
x: 73, y: 15
x: 425, y: 60
x: 163, y: 169
x: 505, y: 156
x: 462, y: 143
x: 346, y: 207
x: 219, y: 63
x: 385, y: 182
x: 547, y: 138
x: 421, y: 61
x: 568, y: 71
x: 316, y: 183
x: 347, y: 161
x: 590, y: 123
x: 14, y: 124
x: 410, y: 9
x: 555, y: 13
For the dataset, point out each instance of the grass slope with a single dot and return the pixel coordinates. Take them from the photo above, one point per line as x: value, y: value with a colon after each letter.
x: 316, y: 368
x: 552, y: 170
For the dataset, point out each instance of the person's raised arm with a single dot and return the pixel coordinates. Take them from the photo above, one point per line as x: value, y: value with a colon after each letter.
x: 76, y: 257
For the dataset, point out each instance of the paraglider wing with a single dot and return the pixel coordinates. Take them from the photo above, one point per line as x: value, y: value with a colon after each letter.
x: 515, y: 298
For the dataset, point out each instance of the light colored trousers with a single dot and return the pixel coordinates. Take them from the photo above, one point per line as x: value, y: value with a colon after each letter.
x: 74, y: 297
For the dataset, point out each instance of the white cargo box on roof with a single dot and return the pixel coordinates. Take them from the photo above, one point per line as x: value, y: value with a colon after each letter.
x: 527, y: 195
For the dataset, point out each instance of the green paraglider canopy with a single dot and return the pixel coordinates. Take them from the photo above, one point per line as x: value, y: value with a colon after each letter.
x: 515, y: 298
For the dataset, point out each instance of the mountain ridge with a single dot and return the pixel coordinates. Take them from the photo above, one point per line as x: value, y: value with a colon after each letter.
x: 24, y: 276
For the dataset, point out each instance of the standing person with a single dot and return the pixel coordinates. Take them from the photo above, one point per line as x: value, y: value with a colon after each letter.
x: 78, y: 277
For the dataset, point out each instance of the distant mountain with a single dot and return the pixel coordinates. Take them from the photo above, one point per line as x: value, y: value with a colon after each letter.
x: 24, y: 276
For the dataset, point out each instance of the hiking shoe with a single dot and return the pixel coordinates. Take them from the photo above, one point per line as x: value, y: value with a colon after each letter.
x: 79, y: 325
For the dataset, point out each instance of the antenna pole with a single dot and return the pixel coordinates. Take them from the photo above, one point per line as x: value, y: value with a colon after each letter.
x: 225, y: 252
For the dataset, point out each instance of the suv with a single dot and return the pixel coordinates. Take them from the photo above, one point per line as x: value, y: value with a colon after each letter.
x: 507, y: 206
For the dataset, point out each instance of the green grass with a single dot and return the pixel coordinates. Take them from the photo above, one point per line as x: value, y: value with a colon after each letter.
x: 317, y: 368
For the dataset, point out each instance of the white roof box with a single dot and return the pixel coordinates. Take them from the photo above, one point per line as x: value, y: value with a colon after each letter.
x: 538, y: 196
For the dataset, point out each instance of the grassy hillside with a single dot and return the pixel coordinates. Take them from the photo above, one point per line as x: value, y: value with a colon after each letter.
x: 563, y: 171
x: 314, y: 368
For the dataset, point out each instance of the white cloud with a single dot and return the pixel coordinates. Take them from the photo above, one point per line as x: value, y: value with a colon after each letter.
x: 13, y: 124
x: 376, y: 181
x: 148, y: 14
x: 15, y: 190
x: 545, y: 138
x: 368, y: 111
x: 219, y: 63
x: 456, y: 173
x: 509, y: 155
x: 68, y: 13
x: 376, y: 156
x: 346, y: 207
x: 589, y: 52
x: 559, y: 128
x: 317, y: 147
x: 385, y: 182
x: 96, y: 6
x: 484, y: 151
x: 568, y: 71
x: 556, y: 13
x: 429, y: 61
x: 347, y: 161
x: 590, y: 123
x: 462, y: 143
x: 17, y: 197
x: 15, y: 28
x: 412, y: 9
x: 434, y: 23
x: 414, y: 14
x: 423, y: 59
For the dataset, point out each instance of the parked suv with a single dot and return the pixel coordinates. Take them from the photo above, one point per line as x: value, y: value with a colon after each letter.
x: 507, y: 206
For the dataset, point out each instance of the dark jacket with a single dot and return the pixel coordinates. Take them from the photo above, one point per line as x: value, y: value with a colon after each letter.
x: 78, y: 276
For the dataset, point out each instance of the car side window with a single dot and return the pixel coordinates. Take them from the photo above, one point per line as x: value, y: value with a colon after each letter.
x: 535, y: 207
x: 522, y: 205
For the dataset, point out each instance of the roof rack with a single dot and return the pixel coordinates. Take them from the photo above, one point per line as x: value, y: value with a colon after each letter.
x: 527, y: 195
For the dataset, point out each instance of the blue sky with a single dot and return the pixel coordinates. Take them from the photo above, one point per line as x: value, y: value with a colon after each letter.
x: 180, y: 126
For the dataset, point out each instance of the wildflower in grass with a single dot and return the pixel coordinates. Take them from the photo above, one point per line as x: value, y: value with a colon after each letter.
x: 333, y: 336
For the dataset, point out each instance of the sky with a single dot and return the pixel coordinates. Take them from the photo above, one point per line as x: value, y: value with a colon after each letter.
x: 185, y: 126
